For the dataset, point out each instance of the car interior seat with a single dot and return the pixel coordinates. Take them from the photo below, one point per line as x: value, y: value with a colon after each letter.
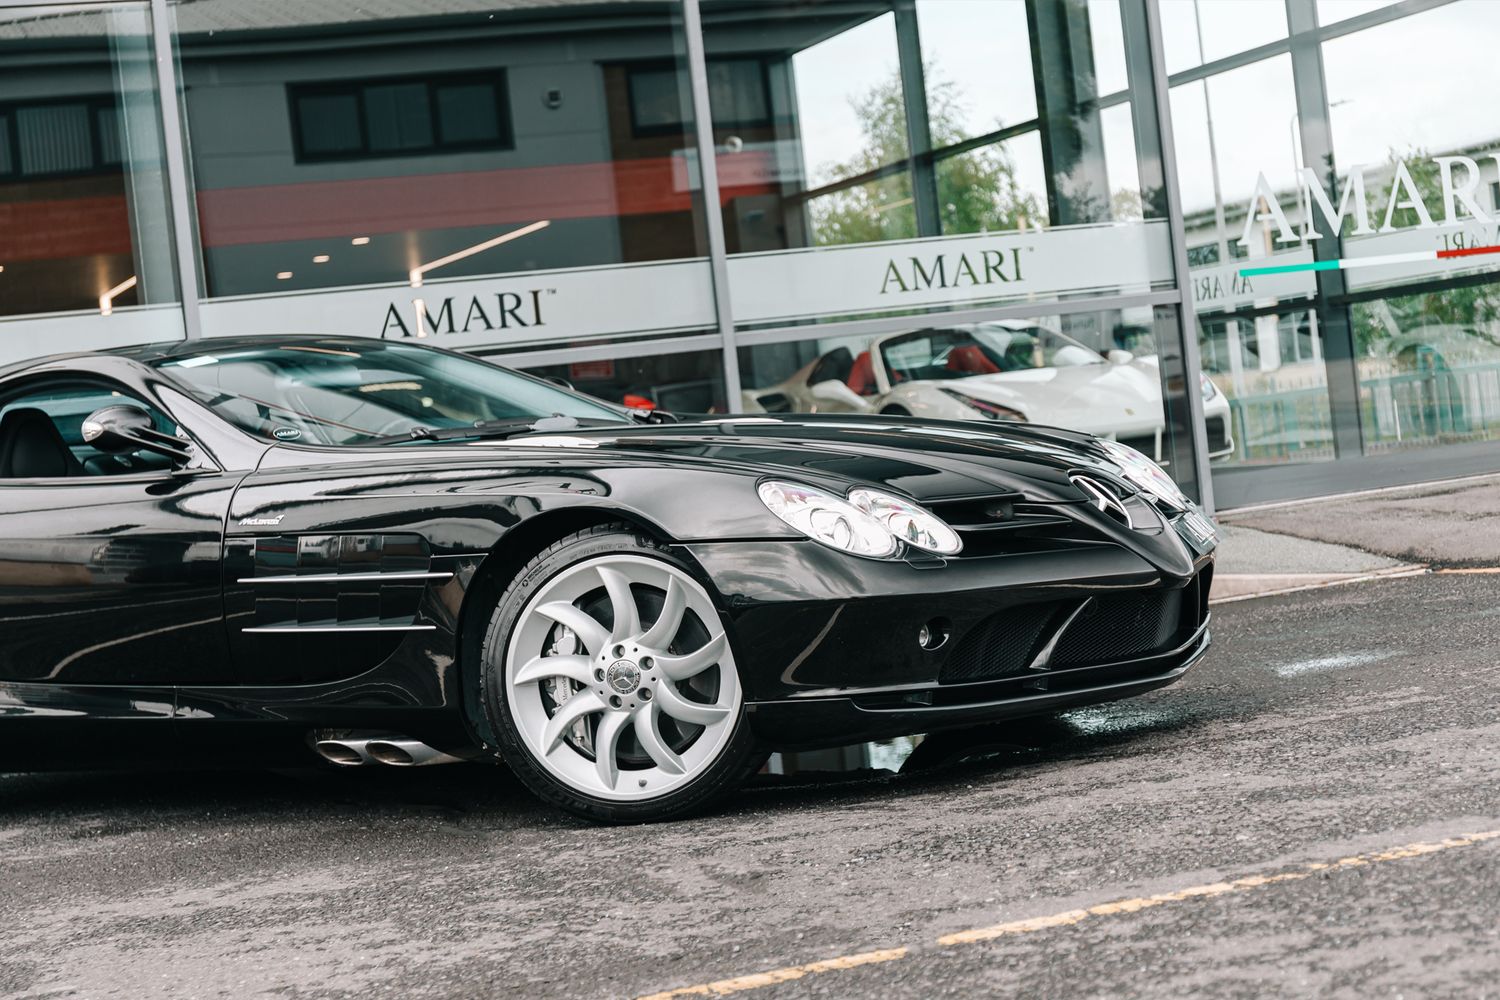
x: 862, y: 375
x: 31, y: 447
x: 970, y: 359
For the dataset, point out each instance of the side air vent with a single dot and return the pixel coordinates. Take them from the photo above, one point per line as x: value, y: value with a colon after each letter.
x: 1106, y: 498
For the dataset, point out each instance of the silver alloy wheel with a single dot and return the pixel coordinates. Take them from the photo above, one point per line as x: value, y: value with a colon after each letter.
x: 629, y: 676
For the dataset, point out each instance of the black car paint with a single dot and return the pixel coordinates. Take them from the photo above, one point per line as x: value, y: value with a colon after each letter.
x: 108, y: 645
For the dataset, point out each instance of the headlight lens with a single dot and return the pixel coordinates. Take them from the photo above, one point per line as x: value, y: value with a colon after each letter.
x: 826, y: 518
x: 914, y: 525
x: 1206, y: 387
x: 993, y: 411
x: 1146, y: 474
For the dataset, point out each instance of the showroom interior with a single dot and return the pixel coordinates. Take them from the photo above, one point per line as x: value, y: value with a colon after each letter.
x: 1249, y: 237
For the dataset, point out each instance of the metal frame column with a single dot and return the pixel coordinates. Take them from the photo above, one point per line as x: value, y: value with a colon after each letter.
x: 1311, y: 94
x: 183, y: 240
x: 713, y: 212
x: 1188, y: 325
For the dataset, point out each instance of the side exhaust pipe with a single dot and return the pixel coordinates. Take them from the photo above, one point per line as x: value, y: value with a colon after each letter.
x: 407, y: 753
x: 344, y: 753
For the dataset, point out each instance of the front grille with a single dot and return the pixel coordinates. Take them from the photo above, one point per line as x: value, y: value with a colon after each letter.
x: 1109, y: 629
x: 1008, y: 524
x: 1001, y: 645
x: 1120, y: 628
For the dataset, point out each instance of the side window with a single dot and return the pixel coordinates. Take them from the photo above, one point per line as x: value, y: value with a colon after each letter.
x: 41, y: 432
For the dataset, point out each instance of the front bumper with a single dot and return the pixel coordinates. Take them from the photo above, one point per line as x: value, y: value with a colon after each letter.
x: 859, y: 716
x: 828, y: 648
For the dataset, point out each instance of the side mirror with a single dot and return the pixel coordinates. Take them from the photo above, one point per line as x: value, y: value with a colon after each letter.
x: 836, y: 392
x: 123, y: 427
x: 1119, y: 357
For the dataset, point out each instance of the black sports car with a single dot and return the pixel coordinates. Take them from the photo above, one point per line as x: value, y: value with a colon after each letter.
x: 387, y: 553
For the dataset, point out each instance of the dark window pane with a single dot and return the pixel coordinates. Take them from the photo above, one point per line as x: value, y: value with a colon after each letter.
x: 108, y: 119
x: 468, y: 113
x: 55, y: 139
x: 399, y: 116
x: 329, y: 123
x: 737, y: 92
x: 654, y: 100
x: 7, y: 160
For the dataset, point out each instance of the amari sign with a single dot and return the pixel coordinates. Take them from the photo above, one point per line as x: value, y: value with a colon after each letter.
x: 594, y: 303
x: 1457, y: 201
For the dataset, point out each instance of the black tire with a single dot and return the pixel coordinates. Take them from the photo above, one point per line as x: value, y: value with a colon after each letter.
x: 740, y: 757
x: 896, y: 411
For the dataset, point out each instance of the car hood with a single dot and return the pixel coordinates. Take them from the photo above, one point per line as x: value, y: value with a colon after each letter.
x: 1106, y: 392
x: 927, y: 460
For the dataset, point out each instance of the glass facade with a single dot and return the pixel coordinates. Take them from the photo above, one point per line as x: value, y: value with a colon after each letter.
x: 1249, y: 237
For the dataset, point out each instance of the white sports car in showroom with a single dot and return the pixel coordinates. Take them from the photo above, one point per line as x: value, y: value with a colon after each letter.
x: 995, y: 371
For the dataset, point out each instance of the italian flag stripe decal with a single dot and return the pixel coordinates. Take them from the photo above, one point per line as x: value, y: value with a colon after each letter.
x: 1345, y: 263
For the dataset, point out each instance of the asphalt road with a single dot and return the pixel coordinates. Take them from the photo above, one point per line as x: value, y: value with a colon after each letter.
x: 1275, y: 784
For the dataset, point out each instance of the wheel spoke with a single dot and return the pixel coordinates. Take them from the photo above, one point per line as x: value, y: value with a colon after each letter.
x: 670, y: 620
x: 648, y: 732
x: 680, y: 668
x: 593, y: 635
x: 627, y: 616
x: 606, y: 741
x: 674, y: 704
x: 571, y: 711
x: 574, y: 668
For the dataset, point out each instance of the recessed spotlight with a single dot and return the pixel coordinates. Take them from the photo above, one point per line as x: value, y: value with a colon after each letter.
x: 321, y: 258
x: 283, y: 275
x: 2, y: 268
x: 360, y: 241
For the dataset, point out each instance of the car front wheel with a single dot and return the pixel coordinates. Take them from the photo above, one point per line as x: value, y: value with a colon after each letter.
x: 609, y: 681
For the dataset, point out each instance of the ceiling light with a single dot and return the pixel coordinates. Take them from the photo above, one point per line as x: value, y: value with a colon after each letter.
x: 107, y: 300
x: 321, y: 258
x: 360, y: 241
x: 417, y: 272
x: 283, y: 275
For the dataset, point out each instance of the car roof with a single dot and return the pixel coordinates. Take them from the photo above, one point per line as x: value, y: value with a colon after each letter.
x: 153, y: 353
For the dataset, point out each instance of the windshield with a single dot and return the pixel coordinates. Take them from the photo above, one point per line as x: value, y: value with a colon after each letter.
x: 345, y: 394
x: 980, y: 350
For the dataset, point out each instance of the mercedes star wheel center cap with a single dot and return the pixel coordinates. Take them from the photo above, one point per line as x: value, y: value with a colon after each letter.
x: 623, y: 676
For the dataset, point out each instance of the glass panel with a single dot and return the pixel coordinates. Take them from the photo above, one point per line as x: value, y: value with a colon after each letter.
x: 329, y: 123
x: 85, y: 238
x: 994, y: 188
x: 55, y: 139
x: 468, y: 113
x: 7, y: 160
x: 1429, y: 368
x: 978, y: 66
x: 525, y: 175
x: 906, y: 167
x: 1262, y: 352
x: 1200, y: 31
x: 398, y: 116
x: 1428, y: 348
x: 1098, y: 372
x: 679, y: 383
x: 850, y: 103
x: 1330, y: 11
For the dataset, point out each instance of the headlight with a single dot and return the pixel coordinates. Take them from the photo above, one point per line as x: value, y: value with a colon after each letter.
x: 826, y: 518
x: 1146, y: 474
x: 1206, y: 387
x: 992, y: 410
x: 914, y: 525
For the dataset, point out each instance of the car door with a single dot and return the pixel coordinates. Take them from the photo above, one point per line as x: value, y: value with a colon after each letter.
x: 109, y: 564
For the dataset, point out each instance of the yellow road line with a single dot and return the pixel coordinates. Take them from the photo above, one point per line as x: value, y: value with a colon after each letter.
x: 740, y: 984
x: 756, y: 980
